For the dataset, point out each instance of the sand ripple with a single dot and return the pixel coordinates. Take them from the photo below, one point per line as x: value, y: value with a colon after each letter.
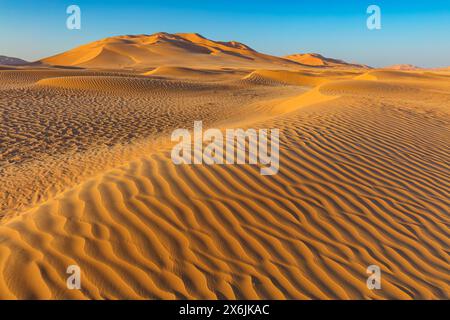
x: 362, y: 181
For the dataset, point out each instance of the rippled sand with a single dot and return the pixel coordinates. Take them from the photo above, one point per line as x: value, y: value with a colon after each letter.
x: 87, y: 179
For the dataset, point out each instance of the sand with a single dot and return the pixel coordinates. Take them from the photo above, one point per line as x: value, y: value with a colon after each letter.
x: 87, y: 179
x: 164, y: 49
x: 317, y: 60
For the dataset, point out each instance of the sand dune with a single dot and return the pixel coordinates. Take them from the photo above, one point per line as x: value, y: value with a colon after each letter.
x: 400, y: 75
x: 298, y: 78
x: 203, y: 75
x: 317, y: 60
x: 21, y: 78
x: 11, y: 61
x: 124, y: 85
x: 87, y: 179
x: 164, y: 49
x: 78, y: 116
x: 403, y: 67
x: 365, y: 87
x: 275, y: 77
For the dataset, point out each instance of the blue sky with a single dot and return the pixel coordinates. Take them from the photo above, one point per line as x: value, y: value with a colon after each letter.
x: 415, y: 32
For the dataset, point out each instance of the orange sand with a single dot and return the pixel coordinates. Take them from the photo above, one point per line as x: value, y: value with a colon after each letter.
x: 87, y: 177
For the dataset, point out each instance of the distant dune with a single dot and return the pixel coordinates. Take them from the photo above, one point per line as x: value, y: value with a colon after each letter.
x: 404, y: 67
x: 181, y: 50
x: 317, y: 60
x: 164, y: 49
x: 10, y: 61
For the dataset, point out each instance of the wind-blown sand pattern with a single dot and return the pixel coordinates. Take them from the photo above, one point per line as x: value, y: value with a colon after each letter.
x: 87, y: 179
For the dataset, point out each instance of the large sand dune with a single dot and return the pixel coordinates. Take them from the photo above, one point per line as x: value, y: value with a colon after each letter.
x: 317, y: 60
x: 87, y: 179
x: 165, y: 49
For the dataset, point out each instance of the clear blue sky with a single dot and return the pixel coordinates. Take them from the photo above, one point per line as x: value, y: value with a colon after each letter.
x: 415, y: 32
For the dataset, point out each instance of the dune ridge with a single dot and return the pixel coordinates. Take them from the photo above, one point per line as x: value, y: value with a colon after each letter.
x: 164, y: 49
x: 317, y: 60
x: 11, y: 61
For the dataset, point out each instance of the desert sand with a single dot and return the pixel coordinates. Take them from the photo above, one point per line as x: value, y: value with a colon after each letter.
x: 87, y: 177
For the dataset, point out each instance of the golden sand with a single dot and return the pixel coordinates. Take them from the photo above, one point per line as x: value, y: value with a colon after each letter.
x: 87, y: 179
